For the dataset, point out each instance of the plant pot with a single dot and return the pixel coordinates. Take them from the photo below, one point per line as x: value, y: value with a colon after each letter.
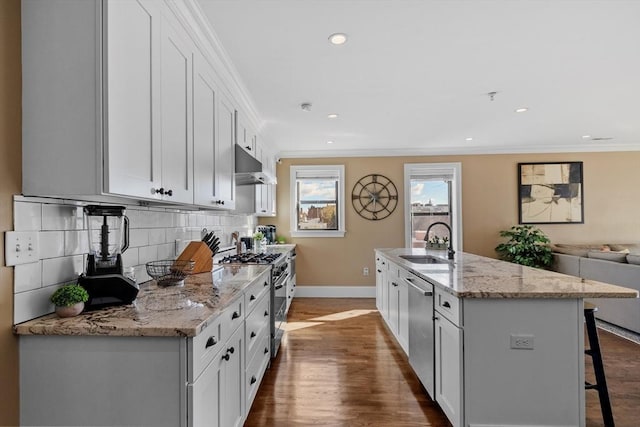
x: 70, y: 310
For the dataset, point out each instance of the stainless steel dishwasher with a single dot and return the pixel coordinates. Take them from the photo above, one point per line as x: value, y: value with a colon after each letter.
x: 421, y: 333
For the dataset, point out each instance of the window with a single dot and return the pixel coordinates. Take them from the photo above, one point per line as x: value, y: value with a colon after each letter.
x: 317, y: 201
x: 432, y: 192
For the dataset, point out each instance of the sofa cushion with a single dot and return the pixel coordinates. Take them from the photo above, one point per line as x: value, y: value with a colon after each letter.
x: 633, y: 258
x: 632, y: 247
x: 576, y: 250
x: 608, y: 255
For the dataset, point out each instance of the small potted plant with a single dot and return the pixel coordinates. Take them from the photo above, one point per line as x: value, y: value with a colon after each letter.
x: 69, y: 300
x: 259, y: 242
x: 526, y: 245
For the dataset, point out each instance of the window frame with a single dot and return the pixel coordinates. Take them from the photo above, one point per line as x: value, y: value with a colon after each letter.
x: 456, y: 196
x: 340, y: 200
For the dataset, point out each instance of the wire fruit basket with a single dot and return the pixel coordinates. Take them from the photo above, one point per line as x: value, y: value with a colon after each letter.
x: 169, y: 272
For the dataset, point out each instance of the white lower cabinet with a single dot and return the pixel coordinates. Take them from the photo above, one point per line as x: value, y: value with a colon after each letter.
x: 397, y: 305
x: 448, y: 367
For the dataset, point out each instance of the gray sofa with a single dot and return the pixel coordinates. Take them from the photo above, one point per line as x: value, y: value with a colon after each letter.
x: 618, y: 265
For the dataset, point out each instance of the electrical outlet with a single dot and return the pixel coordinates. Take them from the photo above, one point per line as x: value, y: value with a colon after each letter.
x: 21, y: 247
x: 522, y: 342
x: 365, y: 271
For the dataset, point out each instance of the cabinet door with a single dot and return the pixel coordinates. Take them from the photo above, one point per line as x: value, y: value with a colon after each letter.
x: 204, y: 133
x: 177, y: 137
x: 132, y: 148
x: 232, y: 410
x: 380, y: 287
x: 403, y: 315
x: 449, y: 377
x: 225, y: 154
x: 394, y: 305
x: 205, y: 397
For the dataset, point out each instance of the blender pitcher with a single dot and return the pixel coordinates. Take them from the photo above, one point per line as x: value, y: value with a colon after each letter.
x: 108, y: 229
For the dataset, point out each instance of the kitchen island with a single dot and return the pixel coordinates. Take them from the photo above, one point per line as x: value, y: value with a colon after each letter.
x: 160, y: 361
x: 503, y: 343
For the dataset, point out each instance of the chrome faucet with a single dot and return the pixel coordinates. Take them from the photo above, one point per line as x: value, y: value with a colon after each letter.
x: 450, y: 251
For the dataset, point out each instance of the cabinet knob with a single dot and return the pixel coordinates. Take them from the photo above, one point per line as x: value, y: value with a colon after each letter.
x: 231, y: 350
x: 253, y: 335
x: 264, y: 211
x: 226, y: 357
x: 248, y: 147
x: 252, y: 297
x: 435, y: 318
x: 158, y: 191
x: 169, y: 193
x: 253, y: 380
x: 219, y: 202
x: 266, y: 313
x: 394, y: 283
x: 446, y: 304
x: 235, y: 315
x: 265, y: 283
x: 379, y: 271
x: 266, y: 350
x: 210, y: 342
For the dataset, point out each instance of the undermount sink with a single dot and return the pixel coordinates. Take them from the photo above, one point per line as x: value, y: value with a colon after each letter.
x: 424, y: 259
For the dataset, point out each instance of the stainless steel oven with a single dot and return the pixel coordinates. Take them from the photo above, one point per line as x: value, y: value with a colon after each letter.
x: 278, y: 294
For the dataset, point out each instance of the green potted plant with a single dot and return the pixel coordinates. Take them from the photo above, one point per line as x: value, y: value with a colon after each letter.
x: 69, y: 300
x: 526, y: 245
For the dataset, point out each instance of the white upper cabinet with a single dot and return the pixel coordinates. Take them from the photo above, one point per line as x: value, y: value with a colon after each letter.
x: 132, y: 98
x: 125, y: 99
x: 177, y: 123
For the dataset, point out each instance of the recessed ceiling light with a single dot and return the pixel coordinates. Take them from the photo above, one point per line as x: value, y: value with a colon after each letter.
x: 332, y: 116
x: 338, y: 38
x: 329, y: 142
x: 521, y: 110
x: 586, y: 136
x: 468, y: 139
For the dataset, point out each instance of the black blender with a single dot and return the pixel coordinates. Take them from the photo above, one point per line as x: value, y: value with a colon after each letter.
x: 104, y: 280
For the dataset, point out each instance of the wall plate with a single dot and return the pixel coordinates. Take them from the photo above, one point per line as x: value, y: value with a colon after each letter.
x: 21, y: 247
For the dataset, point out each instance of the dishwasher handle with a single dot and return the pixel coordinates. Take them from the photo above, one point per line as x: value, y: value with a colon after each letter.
x: 418, y: 288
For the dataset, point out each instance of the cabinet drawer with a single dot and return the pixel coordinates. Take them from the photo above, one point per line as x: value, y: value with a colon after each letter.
x: 255, y: 291
x: 448, y: 305
x: 204, y: 347
x: 257, y: 324
x: 232, y: 317
x: 256, y: 368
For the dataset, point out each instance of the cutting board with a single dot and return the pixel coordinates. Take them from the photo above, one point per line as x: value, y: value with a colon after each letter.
x: 200, y: 253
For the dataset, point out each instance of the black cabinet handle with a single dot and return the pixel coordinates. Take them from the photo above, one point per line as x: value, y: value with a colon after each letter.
x: 248, y: 147
x: 253, y: 380
x: 253, y: 335
x: 219, y: 202
x: 266, y: 350
x: 252, y: 297
x: 235, y: 315
x: 266, y: 313
x: 210, y: 342
x: 394, y: 283
x: 265, y: 283
x: 158, y: 191
x: 379, y: 271
x: 226, y: 357
x: 169, y: 193
x: 231, y: 350
x: 446, y: 304
x: 435, y: 318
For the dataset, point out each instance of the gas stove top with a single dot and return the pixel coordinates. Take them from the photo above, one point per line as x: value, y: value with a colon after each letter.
x: 251, y: 258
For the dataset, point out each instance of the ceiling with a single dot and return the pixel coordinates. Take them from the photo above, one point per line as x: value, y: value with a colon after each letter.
x: 414, y: 75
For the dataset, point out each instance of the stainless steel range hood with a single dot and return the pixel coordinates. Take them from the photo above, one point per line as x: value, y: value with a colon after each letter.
x: 249, y: 170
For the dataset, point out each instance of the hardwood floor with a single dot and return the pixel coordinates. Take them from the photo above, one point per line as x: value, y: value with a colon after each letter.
x: 339, y: 366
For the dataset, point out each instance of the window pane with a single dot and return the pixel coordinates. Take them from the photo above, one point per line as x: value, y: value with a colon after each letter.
x: 429, y: 204
x: 317, y: 204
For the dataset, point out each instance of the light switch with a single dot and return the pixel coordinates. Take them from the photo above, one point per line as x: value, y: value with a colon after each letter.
x: 21, y: 247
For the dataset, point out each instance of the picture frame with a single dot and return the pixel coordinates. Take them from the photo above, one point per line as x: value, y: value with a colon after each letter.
x: 550, y: 193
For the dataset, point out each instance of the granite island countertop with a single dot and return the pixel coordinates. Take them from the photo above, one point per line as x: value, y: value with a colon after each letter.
x: 175, y: 311
x: 474, y: 276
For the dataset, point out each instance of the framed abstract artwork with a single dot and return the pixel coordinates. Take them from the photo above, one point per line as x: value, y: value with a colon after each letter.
x: 550, y: 193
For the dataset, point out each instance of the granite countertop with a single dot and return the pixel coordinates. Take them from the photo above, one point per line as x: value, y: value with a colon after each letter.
x: 178, y: 311
x: 474, y: 276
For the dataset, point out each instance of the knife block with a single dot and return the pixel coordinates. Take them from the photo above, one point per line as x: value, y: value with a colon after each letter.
x: 200, y: 254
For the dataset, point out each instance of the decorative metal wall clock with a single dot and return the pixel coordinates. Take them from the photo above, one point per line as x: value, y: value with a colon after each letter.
x: 374, y: 197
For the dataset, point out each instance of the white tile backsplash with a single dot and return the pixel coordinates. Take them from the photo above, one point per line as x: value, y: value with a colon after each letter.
x: 64, y: 243
x: 27, y: 216
x: 27, y: 277
x: 51, y: 244
x: 63, y: 269
x: 62, y: 217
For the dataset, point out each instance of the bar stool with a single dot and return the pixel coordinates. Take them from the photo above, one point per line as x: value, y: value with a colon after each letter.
x: 598, y: 368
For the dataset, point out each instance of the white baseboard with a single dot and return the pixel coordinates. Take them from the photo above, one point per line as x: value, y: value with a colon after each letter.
x: 335, y: 291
